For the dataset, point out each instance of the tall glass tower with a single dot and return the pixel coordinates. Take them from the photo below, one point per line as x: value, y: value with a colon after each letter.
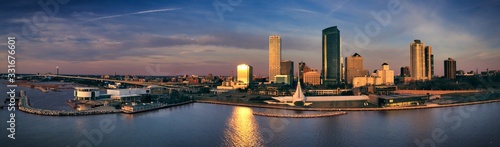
x: 332, y: 56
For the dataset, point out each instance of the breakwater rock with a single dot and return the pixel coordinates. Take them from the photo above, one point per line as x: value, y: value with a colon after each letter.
x: 299, y: 115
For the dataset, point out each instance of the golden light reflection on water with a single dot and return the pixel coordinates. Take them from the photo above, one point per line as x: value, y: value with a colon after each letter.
x: 242, y: 129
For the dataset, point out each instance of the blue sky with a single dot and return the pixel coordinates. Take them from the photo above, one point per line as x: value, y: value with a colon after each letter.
x: 191, y: 37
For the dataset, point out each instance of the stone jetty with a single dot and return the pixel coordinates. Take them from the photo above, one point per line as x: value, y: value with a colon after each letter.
x: 138, y: 109
x: 300, y: 115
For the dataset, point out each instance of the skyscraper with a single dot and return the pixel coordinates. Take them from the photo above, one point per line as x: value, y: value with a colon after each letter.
x: 418, y: 61
x: 331, y: 56
x: 429, y: 62
x: 274, y: 56
x: 354, y: 67
x: 245, y: 74
x: 450, y: 67
x: 287, y: 69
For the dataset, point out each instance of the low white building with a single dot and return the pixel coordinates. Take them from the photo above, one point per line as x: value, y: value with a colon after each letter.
x: 127, y: 95
x: 128, y: 91
x: 124, y: 95
x: 86, y: 93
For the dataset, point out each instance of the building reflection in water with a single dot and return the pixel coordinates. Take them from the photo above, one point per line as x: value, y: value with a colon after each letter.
x: 242, y: 129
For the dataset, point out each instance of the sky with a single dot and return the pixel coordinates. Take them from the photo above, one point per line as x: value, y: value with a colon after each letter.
x: 201, y: 37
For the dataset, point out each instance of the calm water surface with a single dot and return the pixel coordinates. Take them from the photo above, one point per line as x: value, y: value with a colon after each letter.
x: 220, y: 125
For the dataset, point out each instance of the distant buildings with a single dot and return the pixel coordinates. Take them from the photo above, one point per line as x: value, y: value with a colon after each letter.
x: 303, y: 68
x: 450, y: 67
x: 421, y: 61
x: 282, y: 79
x: 405, y: 71
x: 354, y: 68
x: 405, y: 76
x: 245, y: 73
x: 383, y: 76
x: 274, y: 56
x: 287, y: 69
x: 243, y: 80
x: 312, y: 77
x: 331, y: 56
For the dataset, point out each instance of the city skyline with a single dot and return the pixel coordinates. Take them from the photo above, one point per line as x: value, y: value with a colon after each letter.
x: 165, y: 38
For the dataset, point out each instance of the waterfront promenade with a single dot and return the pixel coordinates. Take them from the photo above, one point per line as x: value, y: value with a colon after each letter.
x: 345, y: 109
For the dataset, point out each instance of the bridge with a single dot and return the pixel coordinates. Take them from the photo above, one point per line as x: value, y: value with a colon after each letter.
x: 100, y: 79
x: 176, y: 87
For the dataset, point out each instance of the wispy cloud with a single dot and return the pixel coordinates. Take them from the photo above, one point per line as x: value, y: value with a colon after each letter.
x: 302, y: 10
x: 134, y: 13
x: 336, y: 8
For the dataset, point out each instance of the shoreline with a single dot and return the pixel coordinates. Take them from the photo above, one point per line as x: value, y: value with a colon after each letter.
x: 345, y: 109
x: 24, y: 106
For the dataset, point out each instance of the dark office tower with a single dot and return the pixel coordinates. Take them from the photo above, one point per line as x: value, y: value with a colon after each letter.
x: 405, y: 71
x: 287, y: 69
x: 332, y: 55
x: 450, y: 67
x: 429, y: 62
x: 432, y: 64
x: 303, y: 68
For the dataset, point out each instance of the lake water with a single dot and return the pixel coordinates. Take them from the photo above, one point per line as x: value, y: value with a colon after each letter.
x: 201, y: 124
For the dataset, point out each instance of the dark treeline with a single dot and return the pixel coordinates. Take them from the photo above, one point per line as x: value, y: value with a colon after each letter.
x: 460, y: 83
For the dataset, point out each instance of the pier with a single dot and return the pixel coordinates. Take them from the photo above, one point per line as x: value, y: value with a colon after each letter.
x: 299, y: 115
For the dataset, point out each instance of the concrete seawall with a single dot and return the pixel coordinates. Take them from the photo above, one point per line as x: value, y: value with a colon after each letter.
x: 299, y: 115
x: 346, y: 109
x: 156, y: 107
